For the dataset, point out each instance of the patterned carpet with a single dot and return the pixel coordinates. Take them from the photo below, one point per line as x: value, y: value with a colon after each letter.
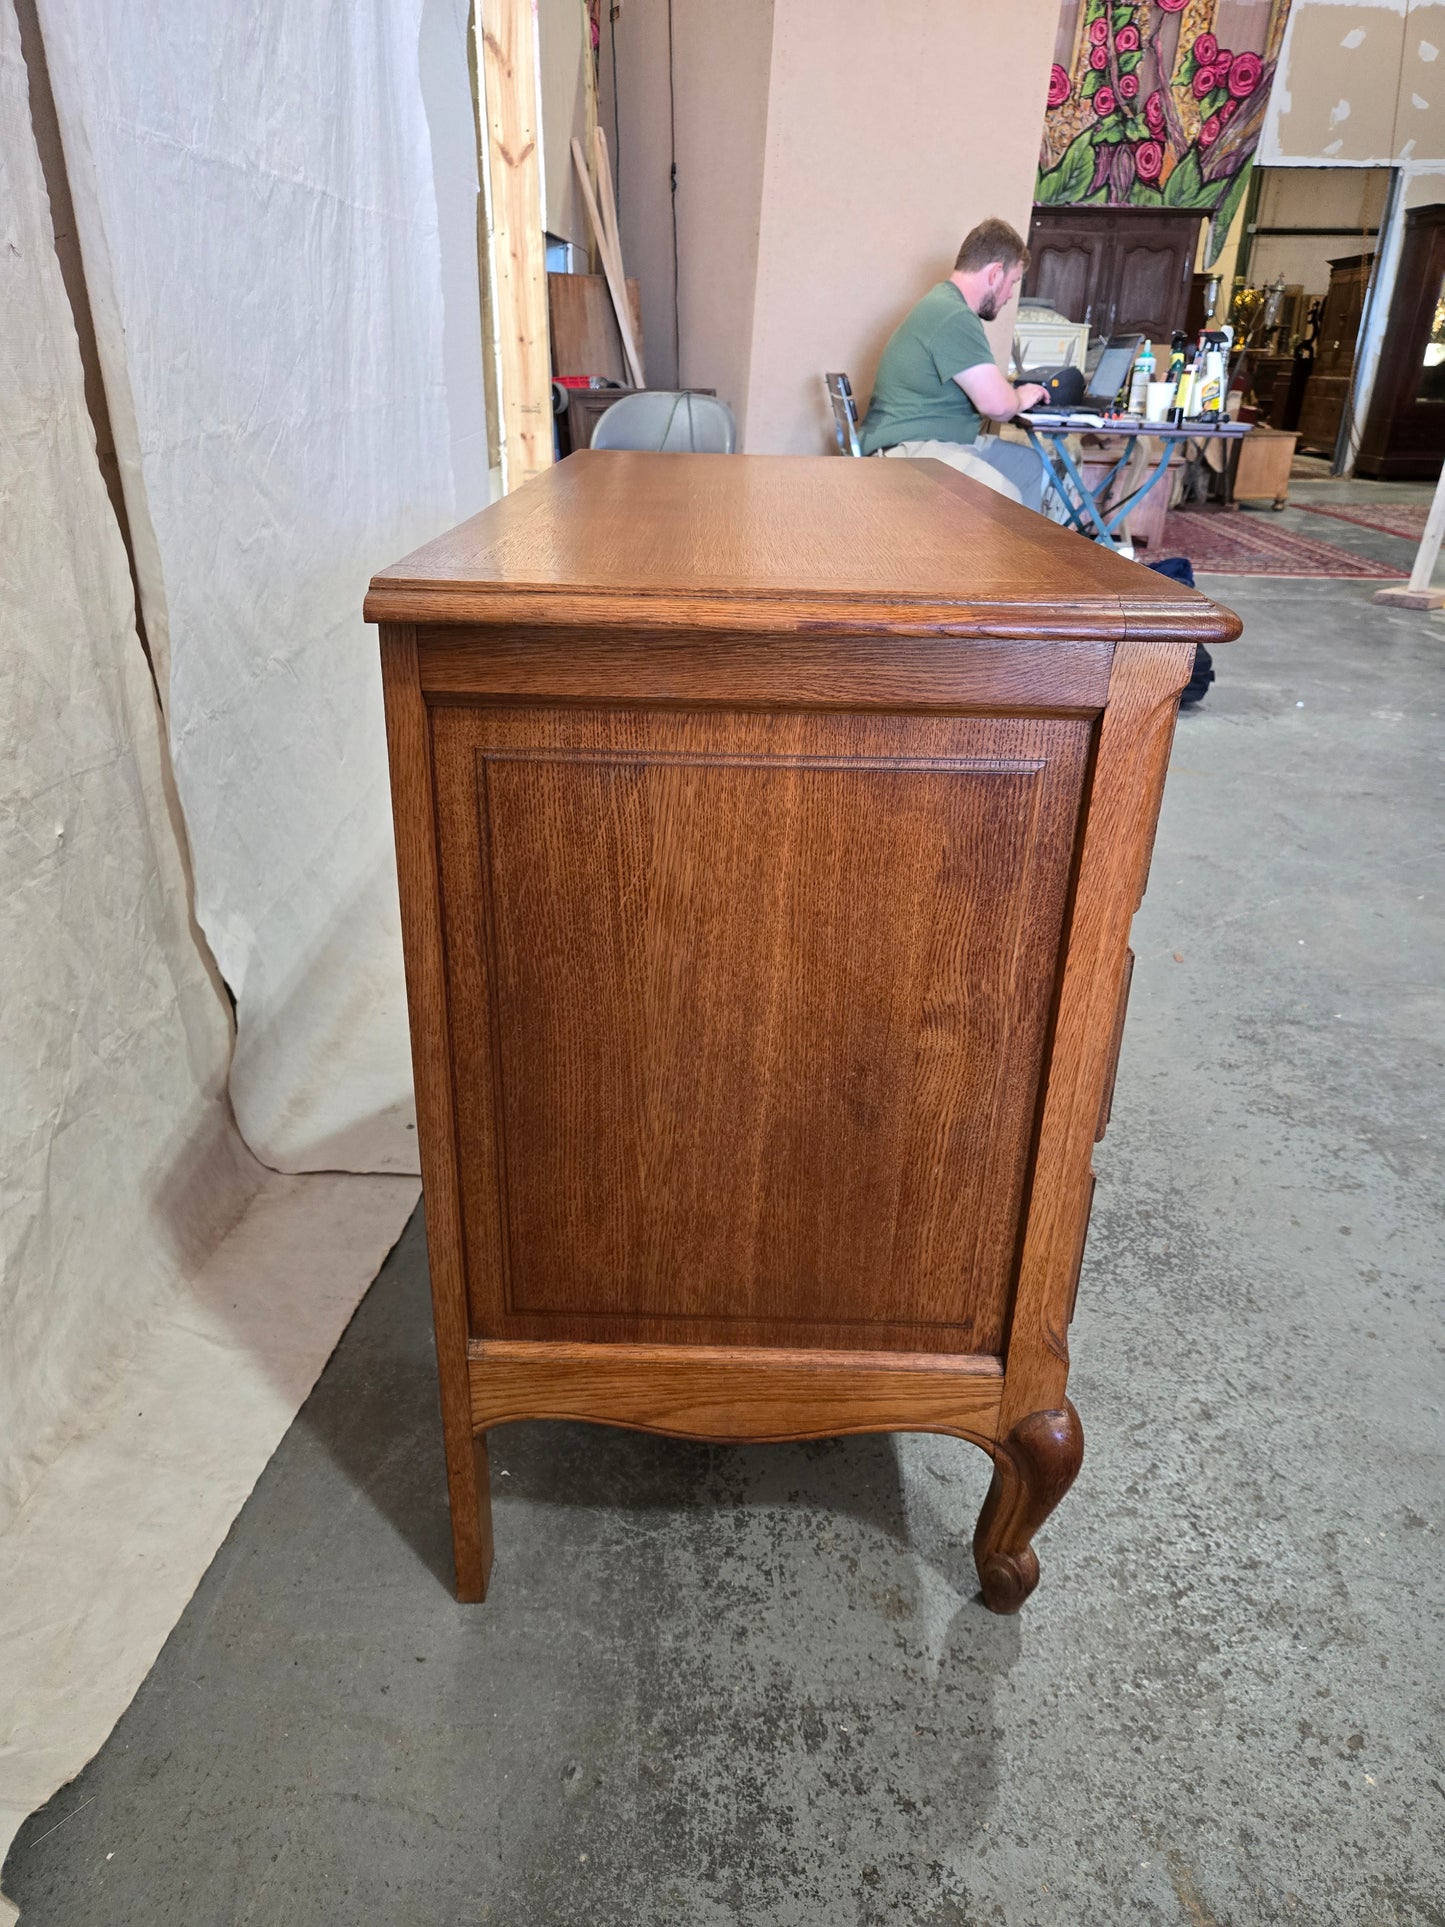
x: 1391, y: 518
x: 1241, y: 543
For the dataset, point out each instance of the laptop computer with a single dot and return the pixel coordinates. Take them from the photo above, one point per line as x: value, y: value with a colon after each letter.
x: 1101, y: 392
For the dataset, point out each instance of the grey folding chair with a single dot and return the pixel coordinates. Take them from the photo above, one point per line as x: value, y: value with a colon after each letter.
x: 668, y: 423
x: 845, y: 414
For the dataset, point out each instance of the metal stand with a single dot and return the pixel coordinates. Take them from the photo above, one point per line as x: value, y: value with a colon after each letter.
x: 1084, y: 508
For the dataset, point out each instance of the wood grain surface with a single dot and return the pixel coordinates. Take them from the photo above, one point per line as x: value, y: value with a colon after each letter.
x: 414, y: 820
x: 755, y: 1010
x: 585, y: 338
x: 510, y: 107
x: 849, y: 668
x: 762, y: 540
x: 1122, y: 809
x: 735, y: 1394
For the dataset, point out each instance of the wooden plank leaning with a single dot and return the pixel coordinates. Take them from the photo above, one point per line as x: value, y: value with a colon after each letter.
x: 611, y: 267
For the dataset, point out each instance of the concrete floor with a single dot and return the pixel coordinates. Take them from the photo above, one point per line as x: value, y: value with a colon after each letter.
x: 755, y: 1686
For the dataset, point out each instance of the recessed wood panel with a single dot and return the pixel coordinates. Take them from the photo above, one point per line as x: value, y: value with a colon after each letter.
x: 748, y: 1014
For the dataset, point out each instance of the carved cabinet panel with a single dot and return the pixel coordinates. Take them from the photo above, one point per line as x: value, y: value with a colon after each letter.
x: 1123, y: 270
x: 703, y: 1118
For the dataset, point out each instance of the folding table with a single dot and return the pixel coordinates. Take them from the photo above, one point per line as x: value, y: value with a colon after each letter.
x: 1086, y: 507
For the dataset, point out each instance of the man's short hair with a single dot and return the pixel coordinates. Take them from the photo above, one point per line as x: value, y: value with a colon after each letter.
x: 991, y: 241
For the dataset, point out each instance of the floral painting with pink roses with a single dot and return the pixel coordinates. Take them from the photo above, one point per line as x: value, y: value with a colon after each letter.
x: 1158, y: 103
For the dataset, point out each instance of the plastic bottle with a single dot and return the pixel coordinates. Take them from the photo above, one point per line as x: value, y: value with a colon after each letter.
x: 1210, y: 402
x: 1143, y: 375
x: 1184, y: 392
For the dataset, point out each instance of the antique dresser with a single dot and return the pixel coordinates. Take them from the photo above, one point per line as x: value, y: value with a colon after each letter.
x: 768, y: 832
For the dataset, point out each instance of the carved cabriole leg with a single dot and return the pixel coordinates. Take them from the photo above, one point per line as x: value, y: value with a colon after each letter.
x: 1032, y: 1470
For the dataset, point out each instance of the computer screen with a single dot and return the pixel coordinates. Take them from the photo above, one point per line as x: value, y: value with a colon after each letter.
x: 1112, y: 371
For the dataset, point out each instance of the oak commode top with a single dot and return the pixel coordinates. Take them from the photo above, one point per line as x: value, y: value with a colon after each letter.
x: 768, y: 834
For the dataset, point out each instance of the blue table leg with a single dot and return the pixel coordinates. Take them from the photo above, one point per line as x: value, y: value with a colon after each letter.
x: 1088, y: 508
x: 1084, y: 511
x: 1086, y: 514
x: 1132, y: 501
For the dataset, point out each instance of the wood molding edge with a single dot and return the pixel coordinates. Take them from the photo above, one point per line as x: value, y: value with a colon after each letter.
x: 724, y: 1394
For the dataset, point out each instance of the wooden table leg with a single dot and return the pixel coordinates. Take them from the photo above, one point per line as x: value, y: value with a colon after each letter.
x: 1032, y: 1470
x: 471, y: 1505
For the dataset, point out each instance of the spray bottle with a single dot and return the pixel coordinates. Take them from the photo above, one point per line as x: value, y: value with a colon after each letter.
x: 1209, y: 405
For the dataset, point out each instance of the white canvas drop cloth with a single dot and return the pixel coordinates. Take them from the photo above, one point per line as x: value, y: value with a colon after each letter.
x: 165, y: 1303
x: 119, y: 1166
x: 255, y: 200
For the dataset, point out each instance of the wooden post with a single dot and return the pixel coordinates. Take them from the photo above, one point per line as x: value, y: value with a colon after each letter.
x: 1417, y: 593
x: 516, y: 266
x: 591, y: 114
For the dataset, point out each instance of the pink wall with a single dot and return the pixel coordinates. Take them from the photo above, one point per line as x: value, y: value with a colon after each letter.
x: 721, y: 66
x: 891, y: 131
x: 831, y: 156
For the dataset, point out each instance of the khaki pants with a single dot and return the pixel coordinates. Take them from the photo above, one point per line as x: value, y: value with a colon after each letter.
x: 1011, y: 467
x: 967, y: 458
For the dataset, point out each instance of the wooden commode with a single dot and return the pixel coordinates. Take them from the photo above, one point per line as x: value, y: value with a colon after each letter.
x: 769, y: 831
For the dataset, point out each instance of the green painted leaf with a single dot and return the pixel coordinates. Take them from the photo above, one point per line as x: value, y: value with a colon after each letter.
x: 1225, y: 213
x: 1137, y: 128
x: 1185, y: 186
x: 1066, y: 184
x: 1142, y: 195
x: 1129, y: 63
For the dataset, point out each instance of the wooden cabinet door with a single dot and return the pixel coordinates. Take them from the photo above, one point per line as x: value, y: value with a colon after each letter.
x: 1068, y: 263
x: 1123, y: 270
x: 1404, y: 435
x: 1340, y: 317
x: 1149, y: 282
x: 748, y: 1016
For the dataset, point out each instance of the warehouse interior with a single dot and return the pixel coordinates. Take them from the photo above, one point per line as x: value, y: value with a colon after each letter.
x: 285, y: 297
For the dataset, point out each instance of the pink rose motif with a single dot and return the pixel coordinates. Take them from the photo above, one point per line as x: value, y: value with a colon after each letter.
x: 1204, y: 83
x: 1149, y: 160
x: 1205, y: 49
x: 1126, y: 40
x: 1171, y: 6
x: 1128, y: 86
x: 1227, y: 112
x: 1222, y: 62
x: 1245, y: 73
x: 1209, y: 132
x: 1099, y: 32
x: 1098, y: 60
x: 1105, y: 103
x: 1059, y: 88
x: 1154, y: 112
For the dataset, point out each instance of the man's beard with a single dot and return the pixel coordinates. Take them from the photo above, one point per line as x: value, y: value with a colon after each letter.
x: 987, y: 309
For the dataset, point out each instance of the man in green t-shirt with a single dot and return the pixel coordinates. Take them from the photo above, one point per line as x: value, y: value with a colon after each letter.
x: 938, y: 379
